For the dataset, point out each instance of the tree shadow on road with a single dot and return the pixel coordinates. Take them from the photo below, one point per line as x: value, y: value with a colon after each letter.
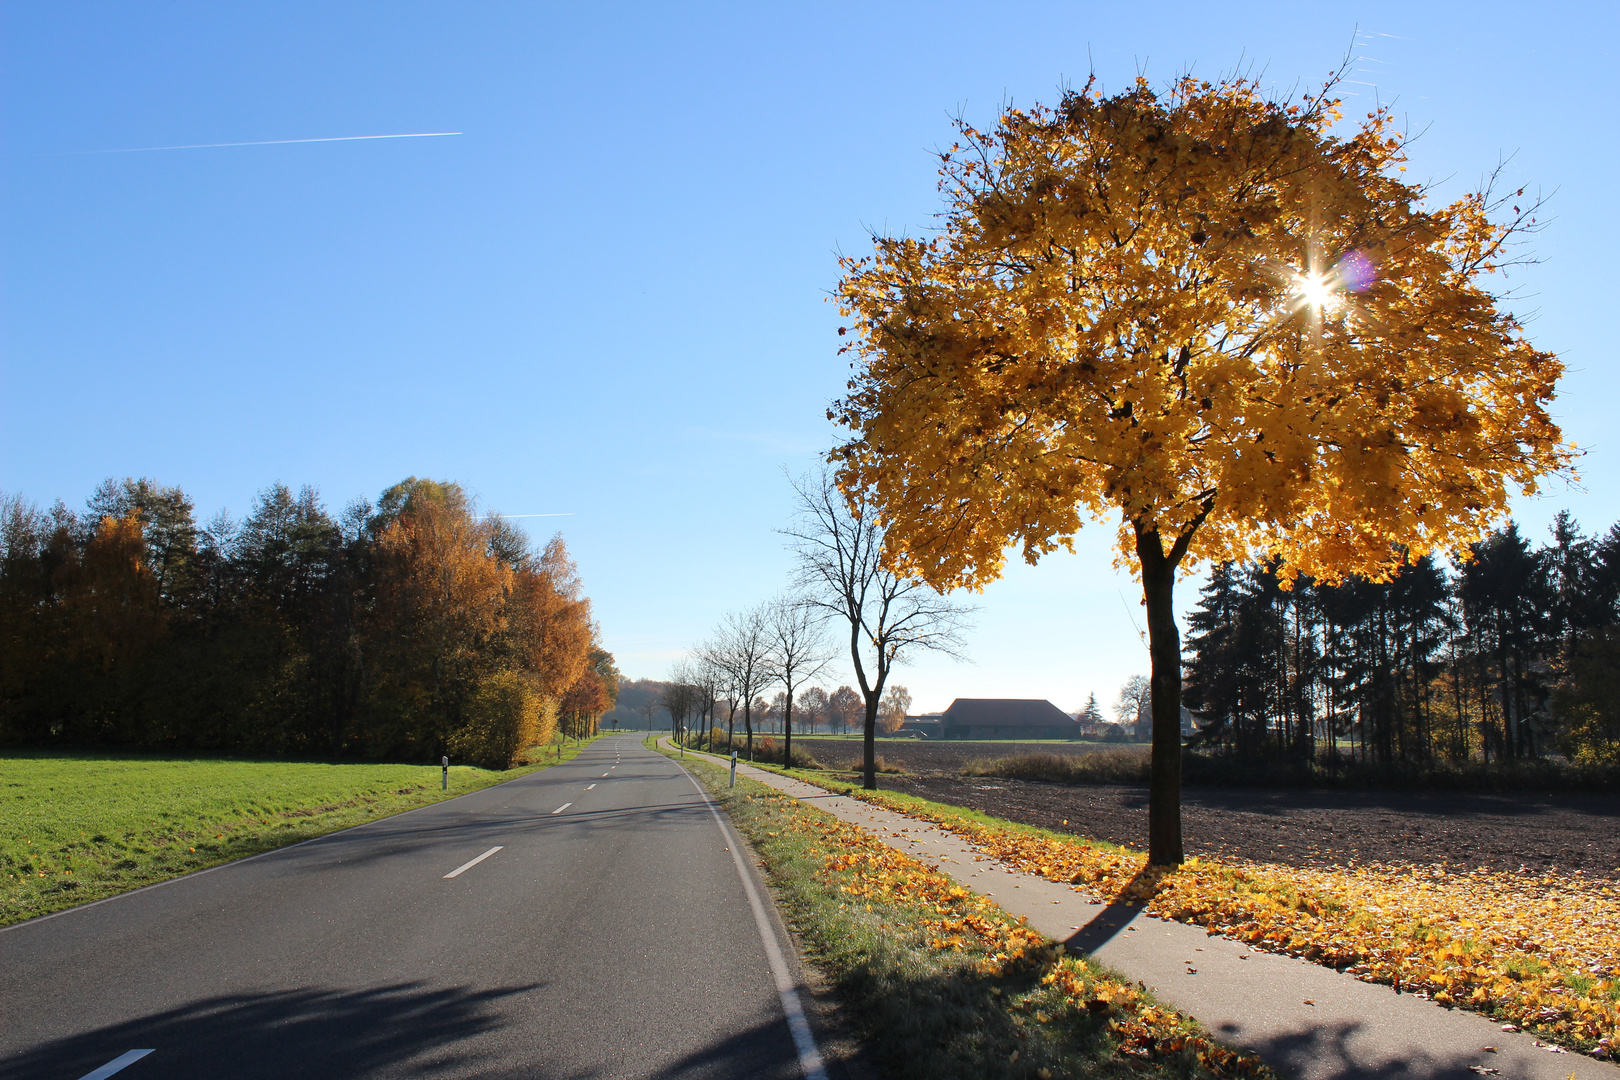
x: 304, y: 1032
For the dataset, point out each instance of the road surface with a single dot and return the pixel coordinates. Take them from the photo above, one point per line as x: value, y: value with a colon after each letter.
x: 611, y: 935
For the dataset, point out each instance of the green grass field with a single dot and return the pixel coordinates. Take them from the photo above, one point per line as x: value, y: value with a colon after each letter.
x: 80, y: 826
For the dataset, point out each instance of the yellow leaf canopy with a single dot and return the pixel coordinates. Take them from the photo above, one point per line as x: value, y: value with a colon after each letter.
x: 1202, y: 308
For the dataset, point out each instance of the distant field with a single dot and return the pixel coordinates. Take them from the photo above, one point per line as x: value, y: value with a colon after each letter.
x: 937, y: 755
x: 78, y: 827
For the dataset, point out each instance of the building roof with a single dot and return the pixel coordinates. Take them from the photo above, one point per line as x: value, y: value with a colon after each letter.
x: 1007, y: 712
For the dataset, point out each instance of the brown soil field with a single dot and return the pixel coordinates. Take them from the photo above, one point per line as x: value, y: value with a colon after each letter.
x: 1513, y: 831
x: 924, y: 756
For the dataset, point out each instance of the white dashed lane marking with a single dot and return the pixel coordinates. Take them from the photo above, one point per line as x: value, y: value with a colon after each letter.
x: 117, y: 1064
x: 458, y: 871
x: 563, y: 807
x: 589, y: 786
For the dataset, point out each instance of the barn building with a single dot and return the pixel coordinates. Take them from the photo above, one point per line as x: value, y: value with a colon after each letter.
x: 1007, y: 718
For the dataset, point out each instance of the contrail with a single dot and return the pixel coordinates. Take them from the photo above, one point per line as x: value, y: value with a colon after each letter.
x: 273, y: 142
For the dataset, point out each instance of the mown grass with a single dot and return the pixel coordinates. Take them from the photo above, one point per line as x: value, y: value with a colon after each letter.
x: 938, y: 980
x: 81, y: 826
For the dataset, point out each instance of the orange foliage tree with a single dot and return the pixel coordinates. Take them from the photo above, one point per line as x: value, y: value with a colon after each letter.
x: 439, y: 601
x: 423, y: 628
x: 479, y: 638
x: 584, y: 704
x: 892, y: 714
x: 1210, y: 314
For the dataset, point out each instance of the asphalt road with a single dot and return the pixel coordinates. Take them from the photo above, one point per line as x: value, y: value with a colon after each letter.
x: 611, y: 938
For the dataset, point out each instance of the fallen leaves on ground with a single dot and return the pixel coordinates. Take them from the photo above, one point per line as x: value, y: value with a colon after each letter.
x: 868, y: 872
x: 1542, y: 950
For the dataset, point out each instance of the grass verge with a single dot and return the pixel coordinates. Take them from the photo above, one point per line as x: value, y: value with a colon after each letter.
x: 939, y: 980
x: 1539, y: 951
x: 83, y: 826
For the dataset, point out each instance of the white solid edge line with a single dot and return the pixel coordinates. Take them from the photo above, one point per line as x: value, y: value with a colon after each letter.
x: 563, y: 807
x: 810, y: 1062
x: 117, y: 1064
x: 469, y: 865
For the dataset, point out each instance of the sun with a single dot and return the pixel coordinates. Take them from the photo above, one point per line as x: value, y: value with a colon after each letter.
x: 1317, y: 291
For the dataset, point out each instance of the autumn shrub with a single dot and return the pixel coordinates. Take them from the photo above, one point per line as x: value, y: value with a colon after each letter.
x: 1326, y: 771
x: 939, y: 980
x: 770, y: 752
x: 1129, y: 765
x: 1123, y: 766
x: 503, y: 722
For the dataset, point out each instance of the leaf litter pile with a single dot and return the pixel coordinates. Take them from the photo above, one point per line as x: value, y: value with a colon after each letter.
x: 1542, y: 952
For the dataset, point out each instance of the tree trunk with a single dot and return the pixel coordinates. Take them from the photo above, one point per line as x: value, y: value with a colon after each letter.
x: 1164, y: 648
x: 787, y: 730
x: 869, y: 780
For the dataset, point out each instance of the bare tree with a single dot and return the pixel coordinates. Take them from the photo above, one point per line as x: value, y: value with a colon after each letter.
x: 649, y: 708
x: 844, y: 705
x: 679, y: 696
x: 741, y: 650
x: 845, y: 576
x: 800, y: 651
x: 1134, y: 709
x: 706, y: 683
x: 813, y: 707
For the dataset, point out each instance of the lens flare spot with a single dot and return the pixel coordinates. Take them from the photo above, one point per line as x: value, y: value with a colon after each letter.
x: 1355, y: 272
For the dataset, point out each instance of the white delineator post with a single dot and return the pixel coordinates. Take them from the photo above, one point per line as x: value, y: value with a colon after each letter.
x: 444, y: 778
x: 733, y: 769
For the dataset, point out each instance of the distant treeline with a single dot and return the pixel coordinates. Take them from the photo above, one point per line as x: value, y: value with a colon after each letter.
x: 640, y: 705
x: 1513, y: 655
x: 405, y: 630
x: 647, y: 703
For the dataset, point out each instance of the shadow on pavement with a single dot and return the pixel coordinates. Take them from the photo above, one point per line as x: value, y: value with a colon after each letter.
x: 1323, y: 1053
x: 763, y: 1050
x: 1131, y: 901
x: 304, y: 1033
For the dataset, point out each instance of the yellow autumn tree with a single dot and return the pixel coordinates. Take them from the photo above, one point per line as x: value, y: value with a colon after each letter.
x: 1207, y: 312
x: 892, y: 713
x: 439, y: 605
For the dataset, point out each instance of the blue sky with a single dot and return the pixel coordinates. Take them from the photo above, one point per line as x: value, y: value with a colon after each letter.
x: 608, y: 297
